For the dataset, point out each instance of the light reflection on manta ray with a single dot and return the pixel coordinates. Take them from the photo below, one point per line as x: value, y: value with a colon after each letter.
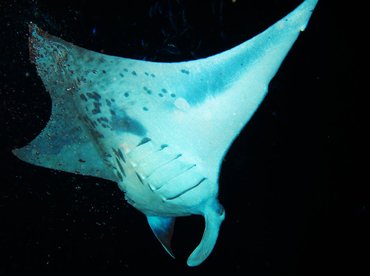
x: 160, y: 130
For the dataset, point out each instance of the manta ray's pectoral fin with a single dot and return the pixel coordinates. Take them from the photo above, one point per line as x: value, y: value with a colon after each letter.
x: 162, y: 228
x: 65, y: 143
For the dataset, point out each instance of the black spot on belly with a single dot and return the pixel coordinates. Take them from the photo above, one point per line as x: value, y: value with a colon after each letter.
x: 81, y: 79
x: 97, y: 105
x: 103, y: 119
x: 83, y: 97
x: 121, y: 122
x: 94, y: 95
x: 95, y: 111
x: 164, y: 146
x: 96, y: 134
x: 184, y: 71
x: 134, y: 73
x: 126, y: 94
x: 144, y: 141
x: 147, y: 90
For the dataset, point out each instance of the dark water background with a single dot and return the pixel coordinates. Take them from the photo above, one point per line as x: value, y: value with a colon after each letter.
x: 287, y: 184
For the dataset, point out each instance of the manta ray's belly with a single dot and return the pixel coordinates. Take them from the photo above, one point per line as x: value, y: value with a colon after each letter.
x: 158, y: 180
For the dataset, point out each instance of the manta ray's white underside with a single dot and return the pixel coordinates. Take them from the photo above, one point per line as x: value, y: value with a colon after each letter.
x: 160, y: 130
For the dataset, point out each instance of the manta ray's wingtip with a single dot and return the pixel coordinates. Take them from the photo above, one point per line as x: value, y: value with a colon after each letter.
x: 31, y: 26
x: 305, y: 10
x: 34, y: 32
x: 38, y: 42
x: 15, y: 152
x: 33, y: 29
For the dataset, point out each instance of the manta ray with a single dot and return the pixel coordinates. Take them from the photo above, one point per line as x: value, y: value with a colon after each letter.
x: 160, y: 130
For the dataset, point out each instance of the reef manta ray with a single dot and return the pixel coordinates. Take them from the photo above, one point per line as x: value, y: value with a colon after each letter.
x: 160, y: 130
